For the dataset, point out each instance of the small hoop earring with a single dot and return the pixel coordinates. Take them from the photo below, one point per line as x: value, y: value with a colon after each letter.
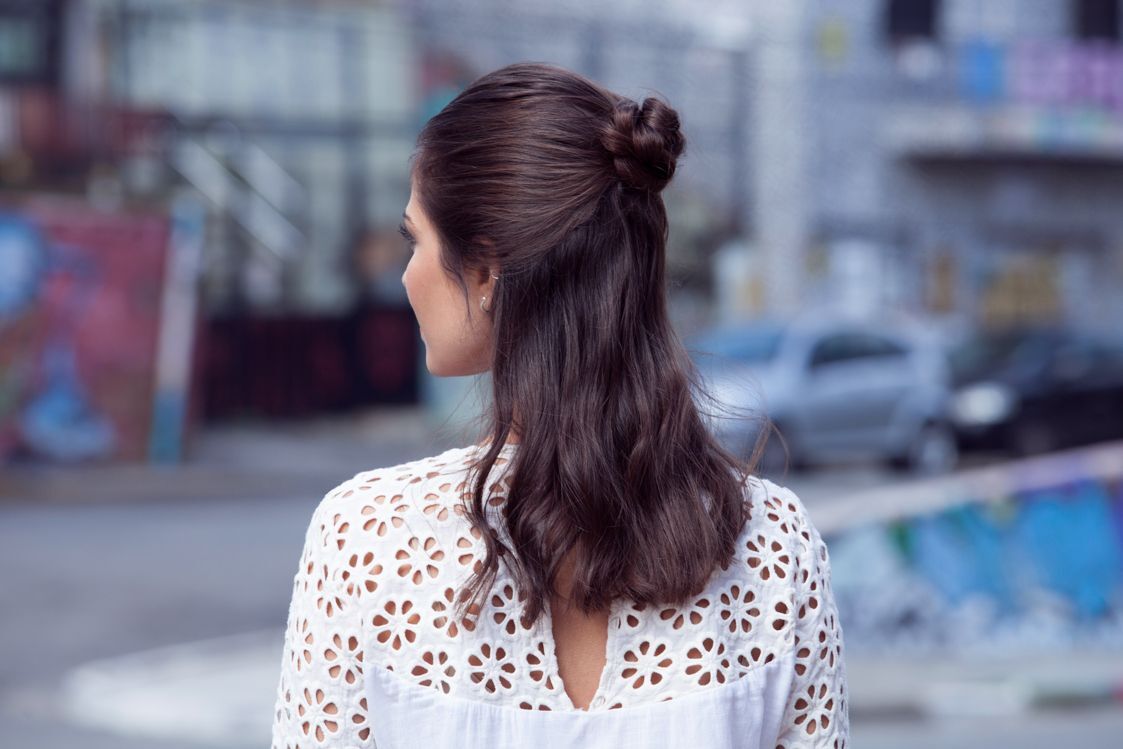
x: 485, y: 309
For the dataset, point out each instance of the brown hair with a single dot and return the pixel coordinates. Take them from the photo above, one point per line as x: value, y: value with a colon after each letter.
x: 555, y: 180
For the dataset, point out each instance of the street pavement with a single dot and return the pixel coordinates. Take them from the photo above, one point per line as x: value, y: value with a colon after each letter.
x: 146, y: 607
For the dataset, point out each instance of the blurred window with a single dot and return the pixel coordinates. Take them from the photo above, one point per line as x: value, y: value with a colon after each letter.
x: 1088, y: 355
x: 993, y: 352
x: 842, y: 347
x: 1112, y: 353
x: 885, y: 347
x: 1073, y: 360
x: 1096, y: 19
x: 911, y: 19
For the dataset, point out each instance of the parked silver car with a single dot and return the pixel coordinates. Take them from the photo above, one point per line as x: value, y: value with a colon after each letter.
x: 834, y: 389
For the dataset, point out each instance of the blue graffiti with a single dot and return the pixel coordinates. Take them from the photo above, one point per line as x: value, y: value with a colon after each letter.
x: 22, y: 263
x: 59, y: 422
x: 1045, y: 564
x: 1072, y: 546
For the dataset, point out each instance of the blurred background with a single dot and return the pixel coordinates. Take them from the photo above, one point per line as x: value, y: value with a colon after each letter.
x: 896, y: 234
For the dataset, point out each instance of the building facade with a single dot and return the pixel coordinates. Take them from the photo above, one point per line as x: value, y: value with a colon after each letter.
x: 964, y: 158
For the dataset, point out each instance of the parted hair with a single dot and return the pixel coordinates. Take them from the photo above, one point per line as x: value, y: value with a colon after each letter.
x: 554, y: 180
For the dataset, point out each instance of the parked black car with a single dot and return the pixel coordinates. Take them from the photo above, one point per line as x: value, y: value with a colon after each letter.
x: 1029, y: 390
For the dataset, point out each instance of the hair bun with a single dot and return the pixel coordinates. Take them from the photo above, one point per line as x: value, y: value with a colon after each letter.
x: 645, y: 143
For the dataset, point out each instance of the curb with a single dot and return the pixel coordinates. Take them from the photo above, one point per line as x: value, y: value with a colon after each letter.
x: 908, y: 689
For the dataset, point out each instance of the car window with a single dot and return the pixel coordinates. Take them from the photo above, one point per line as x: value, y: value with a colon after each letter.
x: 832, y: 349
x: 880, y: 346
x: 840, y: 347
x: 1082, y: 356
x: 1112, y: 353
x: 1073, y: 359
x: 986, y: 353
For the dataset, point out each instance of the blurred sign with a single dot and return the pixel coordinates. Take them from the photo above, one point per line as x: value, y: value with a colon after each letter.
x: 80, y: 299
x: 1034, y: 96
x: 1066, y: 74
x: 1044, y: 73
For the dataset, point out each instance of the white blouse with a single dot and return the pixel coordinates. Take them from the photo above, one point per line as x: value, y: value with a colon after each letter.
x: 373, y: 656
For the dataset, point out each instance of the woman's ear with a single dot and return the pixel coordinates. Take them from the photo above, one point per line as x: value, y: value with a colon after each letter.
x: 485, y: 275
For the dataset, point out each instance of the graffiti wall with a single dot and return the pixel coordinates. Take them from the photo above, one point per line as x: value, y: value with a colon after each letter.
x: 80, y: 296
x: 1039, y: 567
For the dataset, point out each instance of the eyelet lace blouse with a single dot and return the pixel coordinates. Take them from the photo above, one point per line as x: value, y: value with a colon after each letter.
x: 373, y: 656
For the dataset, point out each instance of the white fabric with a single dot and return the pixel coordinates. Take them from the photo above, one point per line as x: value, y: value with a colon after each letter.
x: 742, y: 713
x: 373, y: 656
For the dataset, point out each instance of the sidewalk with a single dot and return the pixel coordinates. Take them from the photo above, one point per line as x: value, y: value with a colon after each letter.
x: 932, y: 687
x: 247, y: 460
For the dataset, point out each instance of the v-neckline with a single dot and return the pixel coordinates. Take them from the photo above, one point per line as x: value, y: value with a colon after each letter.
x: 611, y: 644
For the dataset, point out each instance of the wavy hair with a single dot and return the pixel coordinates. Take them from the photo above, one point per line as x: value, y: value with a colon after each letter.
x: 555, y: 180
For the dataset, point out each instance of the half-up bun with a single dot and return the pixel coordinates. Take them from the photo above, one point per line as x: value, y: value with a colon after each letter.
x: 645, y: 142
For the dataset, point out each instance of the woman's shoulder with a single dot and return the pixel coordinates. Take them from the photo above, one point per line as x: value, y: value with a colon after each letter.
x: 779, y: 541
x: 379, y: 512
x: 417, y: 470
x: 775, y: 507
x: 405, y: 478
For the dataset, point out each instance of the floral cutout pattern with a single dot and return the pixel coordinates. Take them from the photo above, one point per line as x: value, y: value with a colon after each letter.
x: 387, y: 551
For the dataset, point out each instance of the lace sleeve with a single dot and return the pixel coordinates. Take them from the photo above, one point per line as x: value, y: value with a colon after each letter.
x: 319, y: 700
x: 817, y: 713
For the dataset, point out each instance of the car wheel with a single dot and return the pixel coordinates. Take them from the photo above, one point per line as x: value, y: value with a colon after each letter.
x: 933, y: 450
